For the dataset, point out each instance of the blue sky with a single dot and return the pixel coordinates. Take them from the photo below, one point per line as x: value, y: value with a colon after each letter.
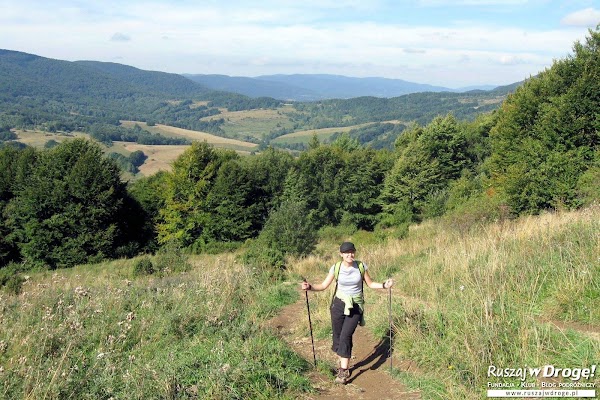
x: 440, y: 42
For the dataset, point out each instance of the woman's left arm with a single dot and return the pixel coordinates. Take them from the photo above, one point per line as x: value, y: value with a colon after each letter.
x: 376, y: 285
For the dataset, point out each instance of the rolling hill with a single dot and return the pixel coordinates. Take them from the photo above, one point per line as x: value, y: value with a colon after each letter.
x: 313, y: 87
x: 61, y: 96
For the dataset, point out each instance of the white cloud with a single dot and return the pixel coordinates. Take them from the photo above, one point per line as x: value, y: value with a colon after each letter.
x: 286, y: 36
x: 120, y: 37
x: 511, y: 59
x: 415, y: 51
x: 589, y: 17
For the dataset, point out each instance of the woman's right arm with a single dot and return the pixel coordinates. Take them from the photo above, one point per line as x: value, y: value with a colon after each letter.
x: 317, y: 287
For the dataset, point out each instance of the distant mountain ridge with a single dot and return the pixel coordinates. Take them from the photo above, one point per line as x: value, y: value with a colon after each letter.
x: 49, y: 78
x: 313, y: 87
x: 56, y: 95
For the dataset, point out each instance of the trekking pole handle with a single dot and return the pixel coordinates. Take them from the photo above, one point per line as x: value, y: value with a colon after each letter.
x: 305, y: 281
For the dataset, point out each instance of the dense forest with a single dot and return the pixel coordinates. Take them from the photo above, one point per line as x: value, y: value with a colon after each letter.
x: 540, y: 150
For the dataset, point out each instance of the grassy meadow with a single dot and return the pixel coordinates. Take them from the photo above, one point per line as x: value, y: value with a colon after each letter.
x: 254, y: 123
x: 160, y: 157
x: 511, y: 294
x: 98, y: 332
x: 171, y: 131
x: 305, y: 136
x: 322, y: 134
x: 514, y: 293
x: 38, y: 139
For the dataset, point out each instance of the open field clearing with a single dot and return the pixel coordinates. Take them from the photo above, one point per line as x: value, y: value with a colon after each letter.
x: 237, y: 116
x: 172, y: 131
x: 322, y: 134
x: 160, y: 157
x: 514, y: 293
x: 101, y: 331
x: 305, y: 136
x: 38, y: 139
x: 254, y: 123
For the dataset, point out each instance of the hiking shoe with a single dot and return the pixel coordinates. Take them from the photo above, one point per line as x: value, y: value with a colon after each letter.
x: 342, y: 376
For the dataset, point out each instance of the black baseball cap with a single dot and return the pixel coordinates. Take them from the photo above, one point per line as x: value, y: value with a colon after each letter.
x: 347, y: 247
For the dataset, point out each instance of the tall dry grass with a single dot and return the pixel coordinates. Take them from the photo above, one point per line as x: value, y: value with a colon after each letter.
x: 513, y: 293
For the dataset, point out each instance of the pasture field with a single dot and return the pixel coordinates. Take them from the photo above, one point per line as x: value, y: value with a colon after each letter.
x: 38, y: 139
x: 254, y: 123
x: 102, y: 331
x: 322, y: 134
x: 305, y: 136
x: 171, y: 131
x: 160, y: 157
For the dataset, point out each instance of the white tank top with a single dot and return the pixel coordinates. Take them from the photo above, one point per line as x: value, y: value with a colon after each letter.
x: 349, y: 280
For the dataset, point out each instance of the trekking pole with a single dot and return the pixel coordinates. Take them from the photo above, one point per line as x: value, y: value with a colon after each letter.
x: 310, y: 326
x: 391, y: 327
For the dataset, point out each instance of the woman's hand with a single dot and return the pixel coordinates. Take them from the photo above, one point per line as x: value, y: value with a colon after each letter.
x: 306, y: 286
x: 388, y: 283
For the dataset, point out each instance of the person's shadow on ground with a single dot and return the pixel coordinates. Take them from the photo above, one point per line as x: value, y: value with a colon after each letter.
x: 375, y: 359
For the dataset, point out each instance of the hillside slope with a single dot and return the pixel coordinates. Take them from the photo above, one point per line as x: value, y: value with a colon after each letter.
x: 55, y: 95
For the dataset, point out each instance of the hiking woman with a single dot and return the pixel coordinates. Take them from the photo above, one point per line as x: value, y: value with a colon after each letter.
x: 347, y: 305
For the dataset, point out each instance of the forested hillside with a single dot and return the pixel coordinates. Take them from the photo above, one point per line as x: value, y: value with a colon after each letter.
x: 40, y: 93
x: 93, y: 97
x: 67, y: 205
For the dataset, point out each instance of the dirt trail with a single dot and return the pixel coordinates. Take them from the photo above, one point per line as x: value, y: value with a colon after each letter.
x: 588, y: 330
x: 369, y: 366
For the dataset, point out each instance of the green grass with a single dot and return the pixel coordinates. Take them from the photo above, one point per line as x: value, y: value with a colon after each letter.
x: 482, y: 296
x: 96, y: 332
x: 254, y: 123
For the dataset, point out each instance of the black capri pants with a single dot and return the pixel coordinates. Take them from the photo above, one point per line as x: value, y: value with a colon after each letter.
x: 343, y: 327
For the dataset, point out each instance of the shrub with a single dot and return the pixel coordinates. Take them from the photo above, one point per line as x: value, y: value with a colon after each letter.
x: 260, y: 255
x: 398, y: 221
x: 11, y: 278
x: 476, y: 211
x: 14, y: 284
x: 6, y: 135
x: 171, y: 258
x: 289, y: 230
x: 143, y: 267
x: 51, y: 144
x: 588, y: 186
x: 337, y: 233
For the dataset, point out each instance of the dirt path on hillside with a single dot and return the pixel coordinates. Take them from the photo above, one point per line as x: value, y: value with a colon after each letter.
x: 370, y: 378
x: 589, y: 330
